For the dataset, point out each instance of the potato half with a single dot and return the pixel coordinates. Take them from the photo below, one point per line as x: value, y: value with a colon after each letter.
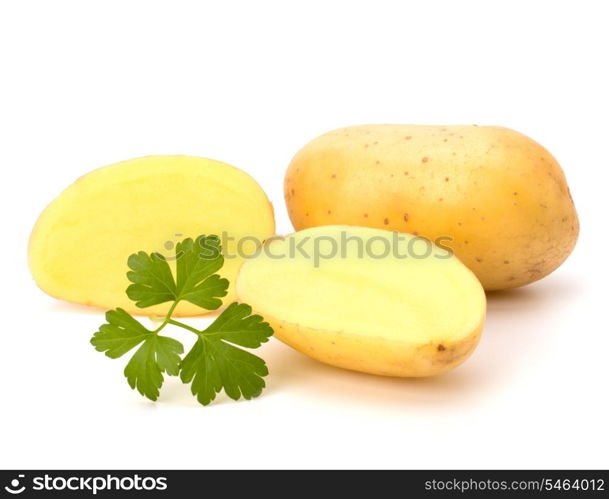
x: 79, y: 247
x: 500, y: 196
x: 365, y: 299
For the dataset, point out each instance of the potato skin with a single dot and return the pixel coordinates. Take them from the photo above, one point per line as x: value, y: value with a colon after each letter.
x: 500, y: 196
x: 374, y: 354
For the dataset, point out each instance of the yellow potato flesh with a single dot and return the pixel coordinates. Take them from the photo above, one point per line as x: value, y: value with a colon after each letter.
x: 365, y: 311
x: 500, y: 196
x: 79, y: 247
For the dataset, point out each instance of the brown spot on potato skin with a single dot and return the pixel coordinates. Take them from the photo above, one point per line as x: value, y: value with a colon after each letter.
x: 446, y: 179
x: 406, y: 217
x: 424, y: 159
x: 386, y: 221
x: 329, y: 212
x: 378, y: 162
x: 479, y: 260
x: 292, y: 191
x: 455, y: 353
x: 441, y: 347
x: 406, y: 173
x: 506, y: 262
x: 334, y: 175
x: 365, y: 215
x: 408, y: 137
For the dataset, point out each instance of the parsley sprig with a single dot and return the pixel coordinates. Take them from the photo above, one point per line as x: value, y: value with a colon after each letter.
x: 215, y: 362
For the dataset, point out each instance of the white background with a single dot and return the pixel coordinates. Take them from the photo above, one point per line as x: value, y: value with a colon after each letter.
x: 84, y: 84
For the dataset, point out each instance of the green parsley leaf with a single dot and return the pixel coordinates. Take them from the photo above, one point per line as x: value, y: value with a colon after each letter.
x: 119, y: 335
x: 196, y: 264
x: 156, y: 355
x: 214, y: 363
x: 151, y: 278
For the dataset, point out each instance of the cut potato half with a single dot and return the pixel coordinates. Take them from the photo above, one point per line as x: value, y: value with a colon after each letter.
x: 367, y: 299
x: 79, y: 247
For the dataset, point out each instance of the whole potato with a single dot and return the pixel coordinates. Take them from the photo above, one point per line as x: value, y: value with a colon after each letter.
x: 500, y: 196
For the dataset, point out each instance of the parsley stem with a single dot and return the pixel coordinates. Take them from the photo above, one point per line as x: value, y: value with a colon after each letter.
x: 167, y: 319
x: 182, y: 325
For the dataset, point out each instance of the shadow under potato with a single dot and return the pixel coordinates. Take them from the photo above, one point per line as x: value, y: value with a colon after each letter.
x: 510, y: 313
x: 488, y: 366
x: 536, y: 297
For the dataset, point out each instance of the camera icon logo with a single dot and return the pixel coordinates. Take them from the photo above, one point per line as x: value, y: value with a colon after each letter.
x: 14, y: 488
x: 168, y: 247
